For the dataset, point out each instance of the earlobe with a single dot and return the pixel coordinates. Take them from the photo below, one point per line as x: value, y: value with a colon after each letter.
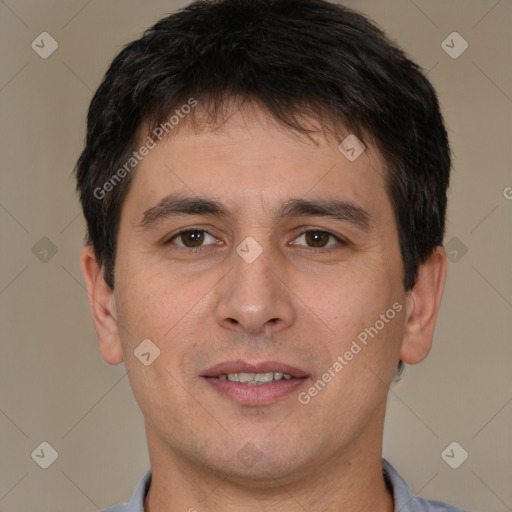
x: 102, y: 303
x: 423, y: 303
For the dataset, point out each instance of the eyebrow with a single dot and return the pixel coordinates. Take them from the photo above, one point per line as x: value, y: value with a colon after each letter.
x: 175, y: 205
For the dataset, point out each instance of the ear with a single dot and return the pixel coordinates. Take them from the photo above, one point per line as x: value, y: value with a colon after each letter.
x: 422, y: 306
x: 102, y: 302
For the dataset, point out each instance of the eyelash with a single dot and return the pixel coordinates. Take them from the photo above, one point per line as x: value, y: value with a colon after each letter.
x: 201, y: 248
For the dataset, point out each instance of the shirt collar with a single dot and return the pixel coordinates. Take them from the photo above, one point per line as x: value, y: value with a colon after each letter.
x: 136, y: 503
x: 404, y: 499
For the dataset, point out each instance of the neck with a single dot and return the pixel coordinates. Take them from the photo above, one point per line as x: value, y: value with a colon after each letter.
x: 349, y: 479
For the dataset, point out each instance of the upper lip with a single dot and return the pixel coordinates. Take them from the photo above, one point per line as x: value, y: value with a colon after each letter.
x: 241, y: 366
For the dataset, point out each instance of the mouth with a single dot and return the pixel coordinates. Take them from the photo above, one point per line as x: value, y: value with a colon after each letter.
x: 255, y: 379
x: 254, y: 384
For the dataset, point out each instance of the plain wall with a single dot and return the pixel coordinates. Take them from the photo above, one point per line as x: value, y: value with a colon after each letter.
x: 55, y: 386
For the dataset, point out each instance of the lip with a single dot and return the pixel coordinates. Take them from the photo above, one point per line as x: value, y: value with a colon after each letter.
x: 264, y: 394
x: 259, y: 367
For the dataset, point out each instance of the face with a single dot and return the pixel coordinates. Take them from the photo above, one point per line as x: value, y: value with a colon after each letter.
x: 251, y: 253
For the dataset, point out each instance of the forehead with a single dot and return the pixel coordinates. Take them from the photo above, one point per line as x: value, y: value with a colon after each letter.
x: 254, y: 155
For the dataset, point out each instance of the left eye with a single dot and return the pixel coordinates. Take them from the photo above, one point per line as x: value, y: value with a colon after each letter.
x: 317, y: 239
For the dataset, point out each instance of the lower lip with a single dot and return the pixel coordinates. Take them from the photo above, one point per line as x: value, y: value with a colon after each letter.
x: 262, y: 394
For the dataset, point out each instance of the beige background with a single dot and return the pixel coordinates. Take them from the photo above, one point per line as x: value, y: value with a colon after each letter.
x: 54, y: 385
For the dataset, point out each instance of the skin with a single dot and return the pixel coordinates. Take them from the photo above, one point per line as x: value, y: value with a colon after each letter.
x: 295, y: 303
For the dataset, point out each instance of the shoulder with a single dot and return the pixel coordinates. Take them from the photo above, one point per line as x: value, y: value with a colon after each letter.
x: 405, y: 501
x: 136, y: 503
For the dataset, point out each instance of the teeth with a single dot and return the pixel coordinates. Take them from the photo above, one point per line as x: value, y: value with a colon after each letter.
x: 264, y: 377
x: 255, y: 378
x: 245, y: 377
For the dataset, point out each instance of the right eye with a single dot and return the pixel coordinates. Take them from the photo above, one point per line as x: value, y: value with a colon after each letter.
x: 191, y: 238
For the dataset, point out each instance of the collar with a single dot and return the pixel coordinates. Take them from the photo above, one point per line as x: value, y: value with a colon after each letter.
x: 405, y: 501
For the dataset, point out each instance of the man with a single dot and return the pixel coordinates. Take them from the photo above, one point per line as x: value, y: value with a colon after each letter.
x: 264, y: 184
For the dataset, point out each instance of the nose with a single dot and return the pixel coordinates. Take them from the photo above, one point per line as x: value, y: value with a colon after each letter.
x: 254, y: 297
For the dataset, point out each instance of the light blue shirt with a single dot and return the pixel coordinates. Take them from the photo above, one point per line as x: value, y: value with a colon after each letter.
x: 405, y: 501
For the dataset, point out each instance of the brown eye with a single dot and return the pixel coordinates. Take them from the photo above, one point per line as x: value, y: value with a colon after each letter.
x: 191, y: 238
x: 317, y: 239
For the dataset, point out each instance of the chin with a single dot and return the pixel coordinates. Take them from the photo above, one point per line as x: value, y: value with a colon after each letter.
x: 258, y: 464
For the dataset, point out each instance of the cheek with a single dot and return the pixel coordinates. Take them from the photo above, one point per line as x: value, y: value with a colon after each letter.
x: 152, y: 305
x: 363, y: 360
x: 169, y: 311
x: 351, y: 299
x: 375, y: 346
x: 365, y: 312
